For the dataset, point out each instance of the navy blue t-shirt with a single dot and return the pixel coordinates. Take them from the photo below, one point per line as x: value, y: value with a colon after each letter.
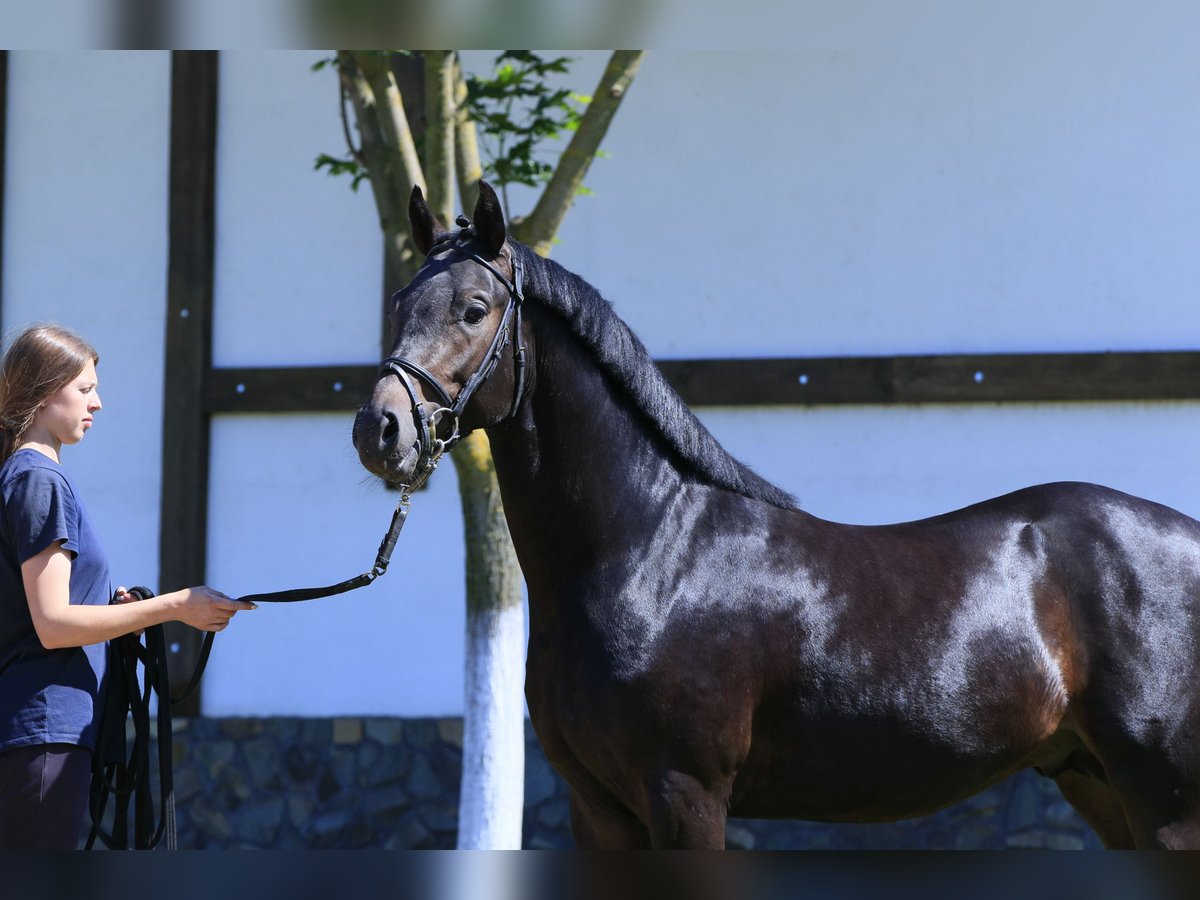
x: 46, y: 696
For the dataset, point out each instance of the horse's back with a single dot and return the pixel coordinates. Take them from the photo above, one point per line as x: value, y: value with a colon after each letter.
x: 1068, y: 501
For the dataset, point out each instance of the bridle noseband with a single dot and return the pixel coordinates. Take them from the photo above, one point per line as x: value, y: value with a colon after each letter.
x: 450, y: 411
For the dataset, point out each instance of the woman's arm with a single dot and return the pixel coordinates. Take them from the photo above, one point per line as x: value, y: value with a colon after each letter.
x: 47, y: 579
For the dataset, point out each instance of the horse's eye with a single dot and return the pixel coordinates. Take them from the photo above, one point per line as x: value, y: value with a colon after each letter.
x: 475, y: 314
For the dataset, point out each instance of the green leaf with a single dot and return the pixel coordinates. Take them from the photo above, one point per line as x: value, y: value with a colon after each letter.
x: 342, y: 166
x: 519, y: 113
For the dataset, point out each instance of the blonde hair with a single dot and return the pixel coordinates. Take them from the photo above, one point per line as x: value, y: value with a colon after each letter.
x: 37, y: 365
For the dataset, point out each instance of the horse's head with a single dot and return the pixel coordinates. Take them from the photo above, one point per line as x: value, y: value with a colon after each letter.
x: 457, y: 358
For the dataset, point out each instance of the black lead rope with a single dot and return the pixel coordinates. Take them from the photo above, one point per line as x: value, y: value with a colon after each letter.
x: 122, y: 770
x: 382, y: 558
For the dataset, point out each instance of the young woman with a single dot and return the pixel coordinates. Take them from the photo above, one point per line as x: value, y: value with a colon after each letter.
x: 54, y: 594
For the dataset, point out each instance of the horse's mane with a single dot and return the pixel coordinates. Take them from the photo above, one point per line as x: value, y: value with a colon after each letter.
x: 623, y: 356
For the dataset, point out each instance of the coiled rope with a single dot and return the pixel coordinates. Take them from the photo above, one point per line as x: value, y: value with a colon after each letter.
x: 120, y: 769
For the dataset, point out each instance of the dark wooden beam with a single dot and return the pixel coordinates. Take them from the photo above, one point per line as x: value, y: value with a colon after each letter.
x: 142, y: 25
x: 804, y: 381
x: 184, y: 503
x: 304, y: 389
x: 3, y: 144
x: 967, y: 378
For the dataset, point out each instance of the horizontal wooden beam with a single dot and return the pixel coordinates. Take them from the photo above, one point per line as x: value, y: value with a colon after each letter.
x: 297, y: 389
x: 975, y: 378
x: 804, y: 381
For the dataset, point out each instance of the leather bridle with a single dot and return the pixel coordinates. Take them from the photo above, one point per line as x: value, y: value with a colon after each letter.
x: 449, y: 411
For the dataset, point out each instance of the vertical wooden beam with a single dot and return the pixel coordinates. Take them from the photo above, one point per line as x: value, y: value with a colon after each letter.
x: 3, y: 141
x: 142, y: 25
x: 184, y: 503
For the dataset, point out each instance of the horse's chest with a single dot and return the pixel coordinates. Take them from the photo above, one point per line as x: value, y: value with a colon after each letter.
x: 577, y: 721
x: 612, y: 707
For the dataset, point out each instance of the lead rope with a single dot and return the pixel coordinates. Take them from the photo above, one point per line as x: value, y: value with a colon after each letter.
x: 121, y: 770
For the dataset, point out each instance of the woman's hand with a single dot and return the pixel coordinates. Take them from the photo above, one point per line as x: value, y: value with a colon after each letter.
x: 206, y: 608
x: 123, y: 596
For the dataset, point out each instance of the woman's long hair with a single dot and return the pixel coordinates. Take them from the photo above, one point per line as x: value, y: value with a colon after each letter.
x: 39, y: 363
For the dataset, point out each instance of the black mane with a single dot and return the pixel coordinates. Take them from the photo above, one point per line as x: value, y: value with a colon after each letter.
x: 623, y: 356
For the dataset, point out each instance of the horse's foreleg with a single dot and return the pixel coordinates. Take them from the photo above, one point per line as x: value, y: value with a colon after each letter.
x: 1176, y: 831
x: 685, y: 815
x: 595, y: 827
x: 1100, y: 808
x: 1161, y: 802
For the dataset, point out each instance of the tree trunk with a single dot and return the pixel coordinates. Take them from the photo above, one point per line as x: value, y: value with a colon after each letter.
x: 439, y: 134
x: 492, y: 799
x: 492, y: 796
x: 466, y: 145
x: 387, y: 152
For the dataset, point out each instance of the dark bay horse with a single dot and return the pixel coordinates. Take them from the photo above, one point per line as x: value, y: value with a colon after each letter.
x: 701, y: 647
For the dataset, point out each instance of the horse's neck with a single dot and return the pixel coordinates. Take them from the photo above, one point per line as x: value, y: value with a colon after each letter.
x: 580, y: 474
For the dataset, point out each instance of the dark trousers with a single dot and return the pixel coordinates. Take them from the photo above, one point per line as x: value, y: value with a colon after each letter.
x: 43, y: 796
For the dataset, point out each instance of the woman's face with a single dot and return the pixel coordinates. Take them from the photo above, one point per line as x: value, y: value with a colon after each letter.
x: 68, y: 414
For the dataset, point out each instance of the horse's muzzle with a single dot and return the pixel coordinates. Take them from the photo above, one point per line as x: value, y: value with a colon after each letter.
x: 386, y: 440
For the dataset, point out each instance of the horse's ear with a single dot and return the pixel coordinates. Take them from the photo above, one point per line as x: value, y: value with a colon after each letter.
x: 489, y: 220
x: 423, y: 222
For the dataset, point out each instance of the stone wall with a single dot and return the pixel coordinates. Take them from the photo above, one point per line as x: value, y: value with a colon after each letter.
x: 292, y: 783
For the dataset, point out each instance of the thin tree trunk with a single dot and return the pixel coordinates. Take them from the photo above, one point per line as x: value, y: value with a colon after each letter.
x: 387, y: 152
x: 492, y: 796
x: 466, y: 144
x: 439, y: 133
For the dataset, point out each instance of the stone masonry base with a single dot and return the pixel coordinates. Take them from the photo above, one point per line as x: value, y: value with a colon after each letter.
x: 390, y: 783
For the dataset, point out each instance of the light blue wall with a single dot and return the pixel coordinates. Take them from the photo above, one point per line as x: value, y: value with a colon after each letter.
x: 898, y: 182
x: 85, y: 244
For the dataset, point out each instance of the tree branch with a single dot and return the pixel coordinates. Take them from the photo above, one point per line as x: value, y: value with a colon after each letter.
x: 393, y: 121
x: 439, y: 132
x: 388, y: 153
x: 542, y: 224
x: 343, y: 97
x: 468, y: 165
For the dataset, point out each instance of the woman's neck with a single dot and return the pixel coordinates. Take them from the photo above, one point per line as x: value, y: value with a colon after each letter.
x: 49, y: 448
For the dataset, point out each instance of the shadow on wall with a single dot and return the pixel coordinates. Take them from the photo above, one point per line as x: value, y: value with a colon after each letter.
x: 389, y: 783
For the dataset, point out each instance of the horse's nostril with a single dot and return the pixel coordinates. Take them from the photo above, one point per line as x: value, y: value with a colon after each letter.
x: 391, y: 429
